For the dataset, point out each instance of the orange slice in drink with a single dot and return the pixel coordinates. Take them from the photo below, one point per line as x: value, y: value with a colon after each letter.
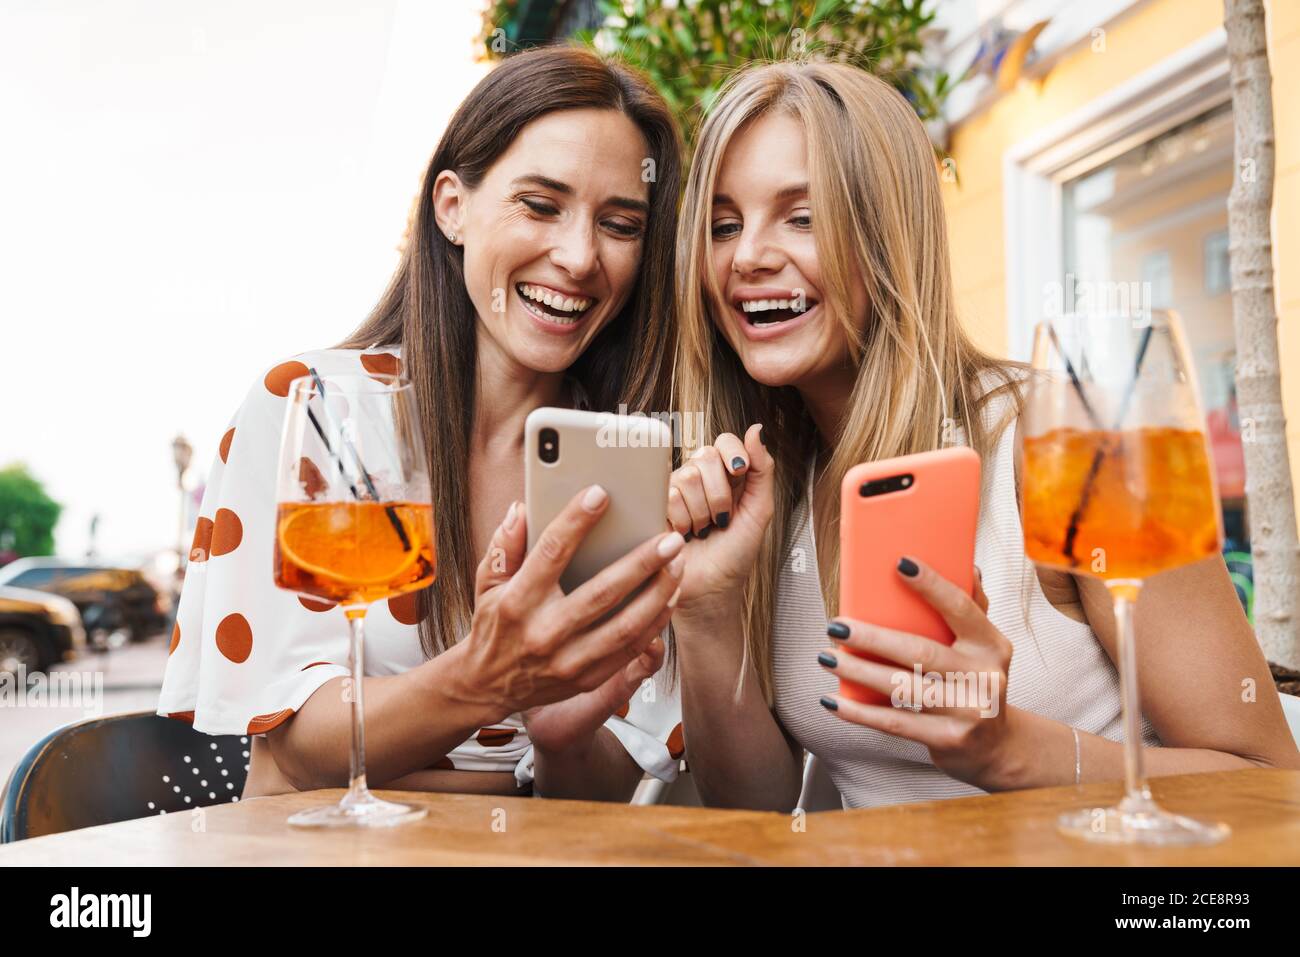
x: 354, y: 543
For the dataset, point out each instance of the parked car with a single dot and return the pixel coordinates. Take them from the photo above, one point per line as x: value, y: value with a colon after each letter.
x: 111, y: 599
x: 38, y: 630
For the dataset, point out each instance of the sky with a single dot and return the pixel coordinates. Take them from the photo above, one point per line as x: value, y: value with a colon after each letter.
x: 189, y: 192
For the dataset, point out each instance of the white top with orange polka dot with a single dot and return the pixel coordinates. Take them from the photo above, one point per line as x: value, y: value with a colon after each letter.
x: 245, y: 654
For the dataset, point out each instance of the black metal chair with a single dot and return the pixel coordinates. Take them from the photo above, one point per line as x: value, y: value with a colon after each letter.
x: 116, y: 768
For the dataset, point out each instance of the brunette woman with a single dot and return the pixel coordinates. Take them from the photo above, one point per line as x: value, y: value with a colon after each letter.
x: 538, y: 273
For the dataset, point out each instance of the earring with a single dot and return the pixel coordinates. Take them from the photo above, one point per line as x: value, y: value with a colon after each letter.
x: 451, y: 237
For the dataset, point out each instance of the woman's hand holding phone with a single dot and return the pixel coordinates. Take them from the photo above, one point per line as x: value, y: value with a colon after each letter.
x: 566, y: 661
x: 721, y: 501
x: 978, y: 745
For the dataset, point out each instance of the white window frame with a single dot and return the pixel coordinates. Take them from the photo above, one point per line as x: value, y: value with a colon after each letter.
x: 1178, y: 88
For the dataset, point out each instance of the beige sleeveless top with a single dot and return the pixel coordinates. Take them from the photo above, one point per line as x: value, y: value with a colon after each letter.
x: 1058, y: 668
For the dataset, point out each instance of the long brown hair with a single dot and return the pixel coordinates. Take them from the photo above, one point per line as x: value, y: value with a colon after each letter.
x: 877, y: 215
x: 427, y: 310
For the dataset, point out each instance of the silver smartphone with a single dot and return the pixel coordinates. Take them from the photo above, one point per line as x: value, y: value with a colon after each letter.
x: 566, y: 450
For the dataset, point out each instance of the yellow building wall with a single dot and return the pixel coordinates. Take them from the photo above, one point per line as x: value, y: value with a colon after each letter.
x: 1133, y: 43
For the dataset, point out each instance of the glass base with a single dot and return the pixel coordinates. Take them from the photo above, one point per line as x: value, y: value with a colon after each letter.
x: 1139, y: 820
x: 369, y: 811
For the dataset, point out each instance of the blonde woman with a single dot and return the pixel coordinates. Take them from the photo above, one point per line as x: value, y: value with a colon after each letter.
x: 817, y: 320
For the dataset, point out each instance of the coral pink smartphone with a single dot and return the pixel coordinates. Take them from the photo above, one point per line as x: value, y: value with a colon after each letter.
x: 923, y: 506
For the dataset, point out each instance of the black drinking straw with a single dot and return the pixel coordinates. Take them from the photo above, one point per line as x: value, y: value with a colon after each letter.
x: 365, y: 476
x: 1072, y: 532
x: 1074, y: 377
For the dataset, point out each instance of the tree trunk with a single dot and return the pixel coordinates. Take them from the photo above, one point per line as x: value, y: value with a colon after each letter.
x: 1269, y: 495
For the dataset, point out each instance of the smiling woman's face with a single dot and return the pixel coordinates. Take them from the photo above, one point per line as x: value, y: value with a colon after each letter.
x: 765, y: 261
x: 552, y: 234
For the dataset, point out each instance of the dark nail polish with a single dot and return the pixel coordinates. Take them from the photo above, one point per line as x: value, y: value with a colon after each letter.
x: 688, y: 536
x: 704, y: 532
x: 907, y: 567
x: 737, y: 464
x: 830, y: 704
x: 761, y: 437
x: 837, y: 629
x: 827, y: 659
x: 723, y: 519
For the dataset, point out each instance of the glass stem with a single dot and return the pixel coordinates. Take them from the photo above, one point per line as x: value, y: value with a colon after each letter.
x: 358, y: 793
x: 1124, y: 595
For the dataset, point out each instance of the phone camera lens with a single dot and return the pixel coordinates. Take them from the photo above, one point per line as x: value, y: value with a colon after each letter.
x: 885, y: 486
x: 548, y: 446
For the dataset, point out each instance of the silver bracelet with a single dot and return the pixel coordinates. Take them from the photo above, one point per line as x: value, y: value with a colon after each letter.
x: 1078, y: 767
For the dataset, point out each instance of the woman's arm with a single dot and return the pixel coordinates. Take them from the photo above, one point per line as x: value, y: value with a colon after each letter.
x: 740, y: 756
x: 1204, y: 686
x: 412, y: 720
x: 595, y: 769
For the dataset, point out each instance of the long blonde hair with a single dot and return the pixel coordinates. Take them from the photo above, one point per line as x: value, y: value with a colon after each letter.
x: 878, y: 215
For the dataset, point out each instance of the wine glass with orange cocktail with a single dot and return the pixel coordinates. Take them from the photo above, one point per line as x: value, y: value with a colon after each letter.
x: 1117, y: 484
x: 354, y: 525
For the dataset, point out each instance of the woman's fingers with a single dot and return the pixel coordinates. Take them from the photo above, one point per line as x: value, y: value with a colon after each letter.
x: 648, y: 663
x: 703, y: 492
x: 505, y: 553
x: 679, y: 516
x: 932, y: 730
x: 554, y: 548
x: 626, y: 628
x: 898, y: 647
x: 958, y: 609
x: 690, y: 486
x: 625, y: 657
x: 756, y: 499
x: 902, y: 686
x: 619, y: 688
x: 733, y: 453
x: 716, y: 480
x: 599, y: 594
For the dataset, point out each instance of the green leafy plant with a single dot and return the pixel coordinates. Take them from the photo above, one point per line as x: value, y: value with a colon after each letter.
x: 688, y: 47
x: 27, y: 514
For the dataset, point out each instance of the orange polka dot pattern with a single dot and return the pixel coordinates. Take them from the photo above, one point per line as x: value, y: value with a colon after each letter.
x: 676, y: 743
x: 235, y: 638
x: 495, y: 737
x: 227, y: 532
x: 201, y: 548
x: 381, y: 363
x: 265, y: 722
x: 278, y: 379
x: 405, y: 608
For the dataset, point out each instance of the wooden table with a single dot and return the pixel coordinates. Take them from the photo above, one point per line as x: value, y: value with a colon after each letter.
x: 1262, y: 806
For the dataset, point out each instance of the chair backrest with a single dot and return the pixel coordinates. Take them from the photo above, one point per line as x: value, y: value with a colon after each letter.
x: 116, y: 768
x: 818, y: 792
x: 1291, y: 708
